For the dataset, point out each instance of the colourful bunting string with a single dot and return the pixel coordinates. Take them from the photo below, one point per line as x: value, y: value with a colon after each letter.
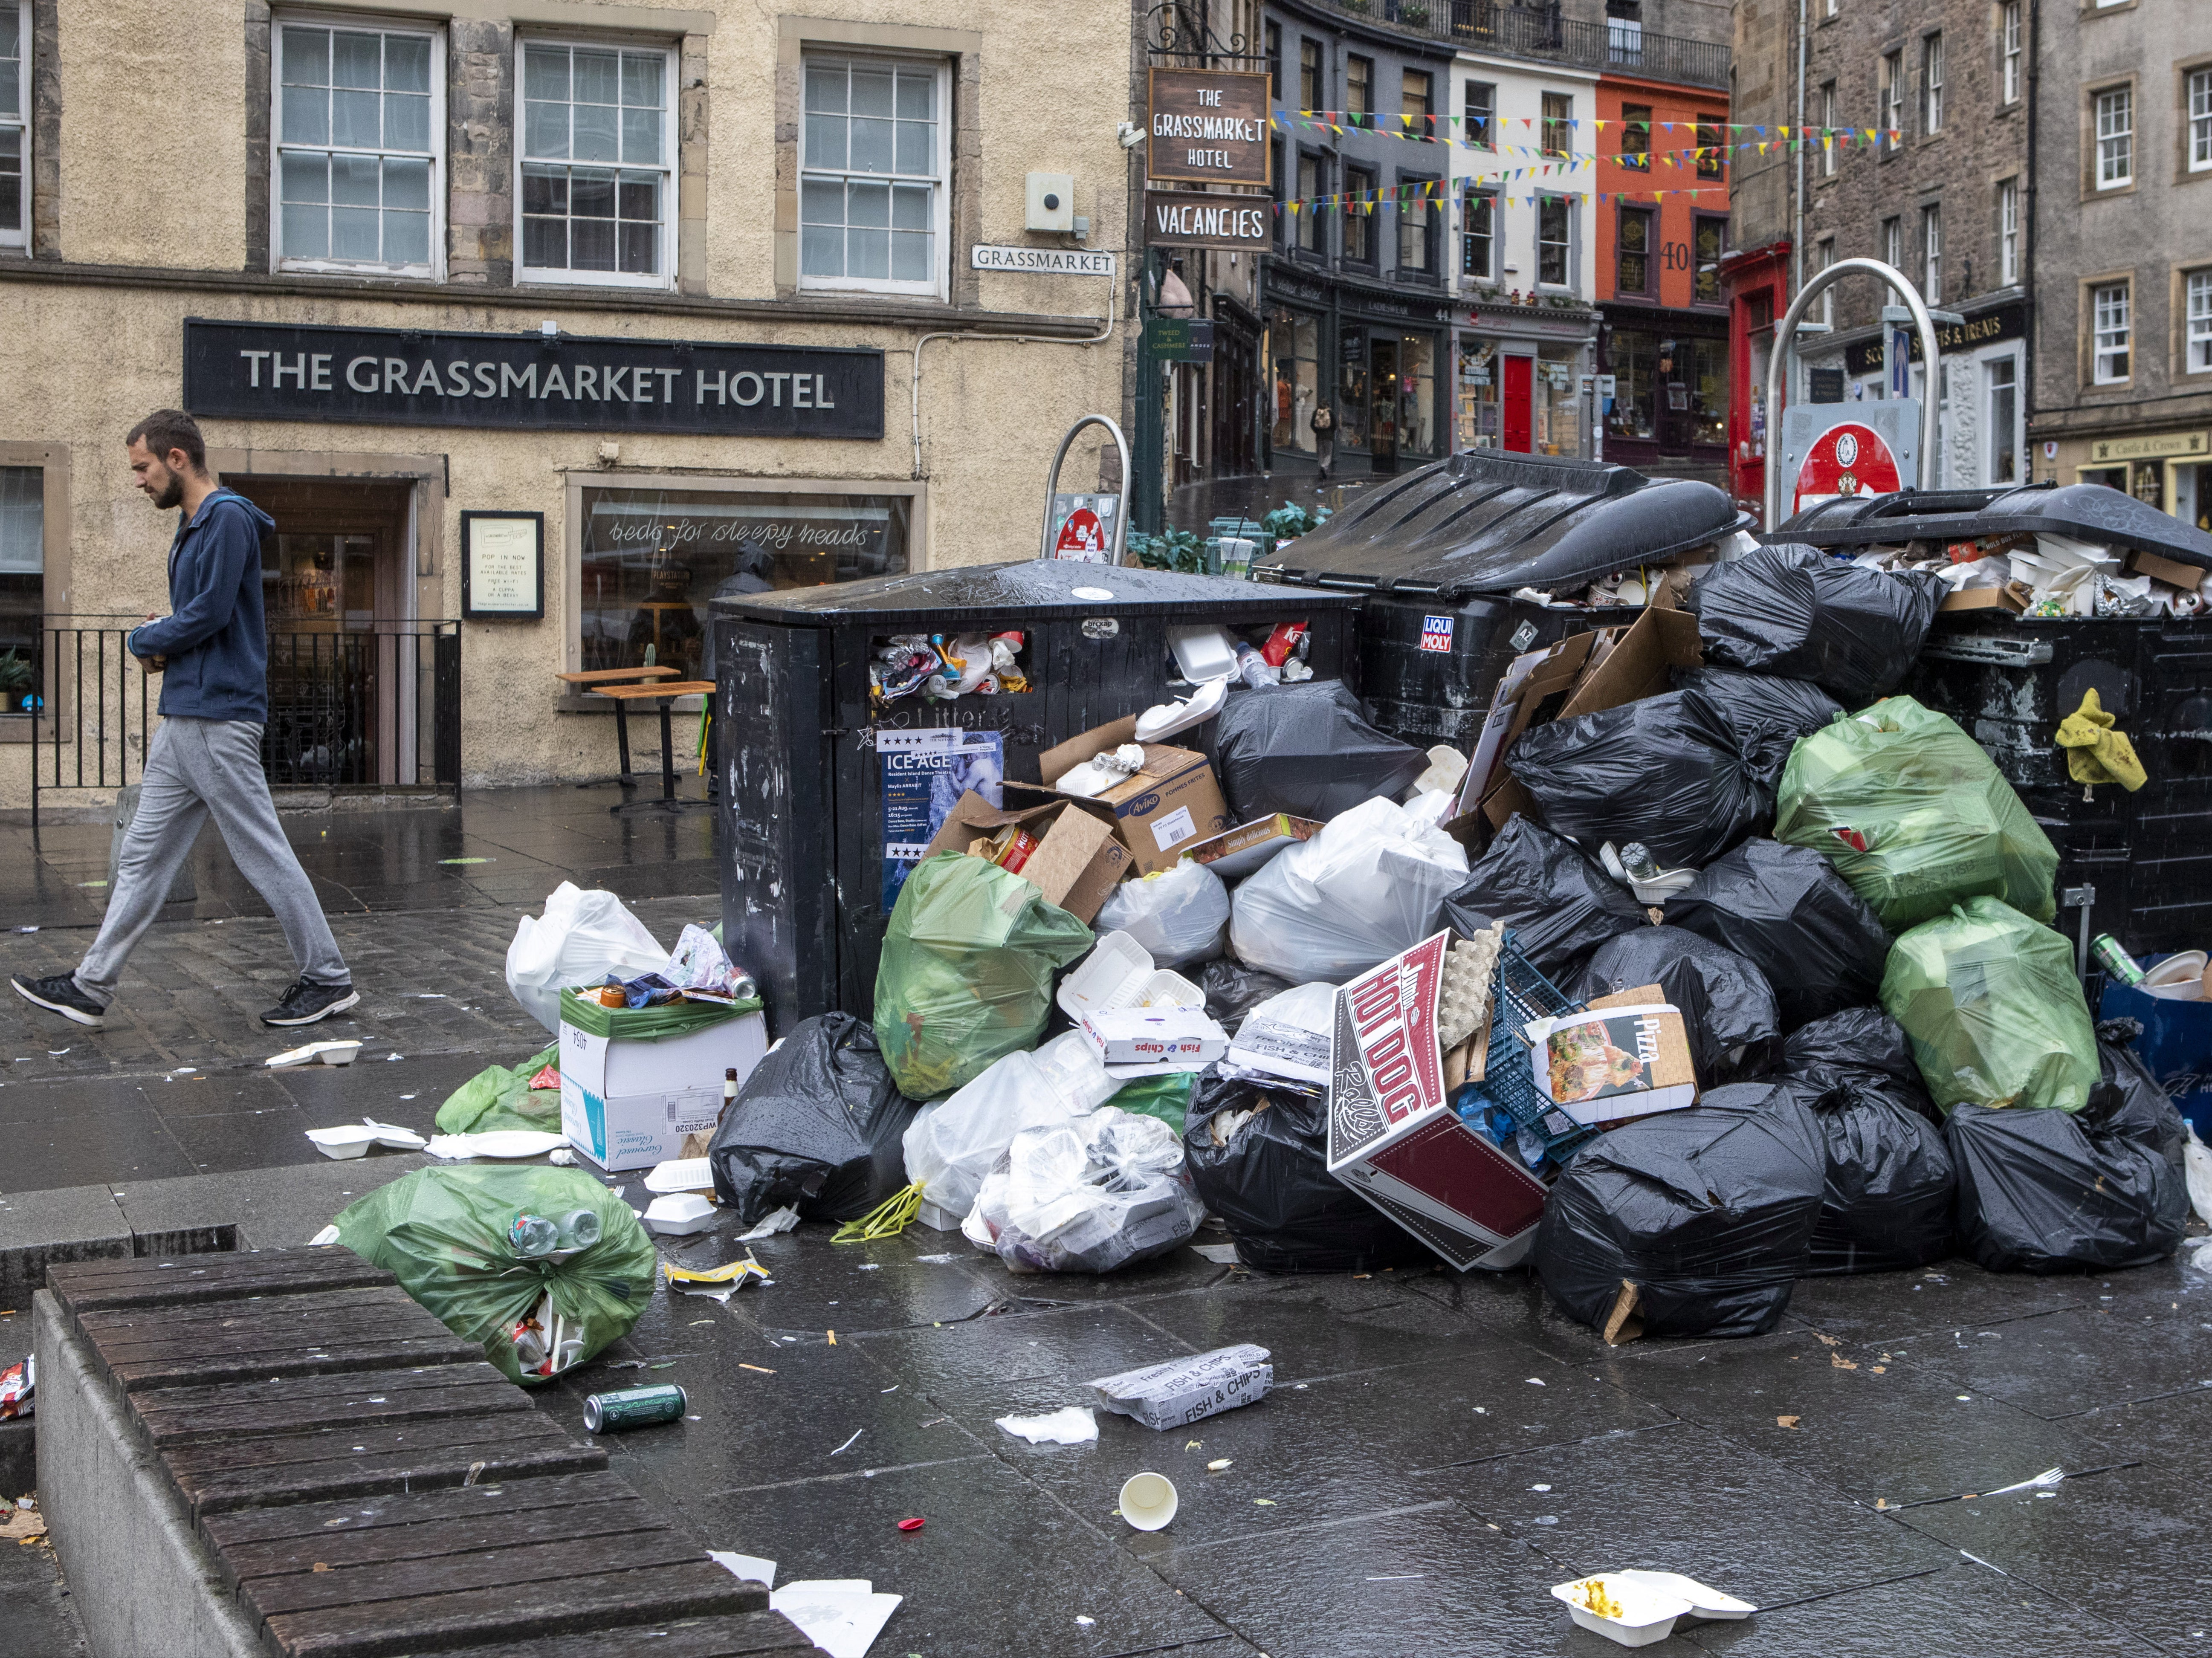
x: 1437, y: 129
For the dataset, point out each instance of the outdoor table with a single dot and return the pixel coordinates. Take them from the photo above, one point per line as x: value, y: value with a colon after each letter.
x: 591, y: 679
x: 664, y: 691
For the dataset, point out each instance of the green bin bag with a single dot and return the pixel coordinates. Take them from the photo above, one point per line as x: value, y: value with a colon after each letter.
x: 1914, y: 815
x: 1996, y: 1015
x: 1167, y: 1098
x: 500, y: 1097
x: 967, y: 971
x: 442, y: 1232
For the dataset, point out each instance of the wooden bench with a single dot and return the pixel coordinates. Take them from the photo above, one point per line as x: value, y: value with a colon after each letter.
x: 303, y: 1449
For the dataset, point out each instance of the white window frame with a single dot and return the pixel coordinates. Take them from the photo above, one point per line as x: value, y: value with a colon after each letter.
x: 2197, y: 94
x: 1893, y: 242
x: 1830, y: 161
x: 2008, y: 232
x: 1931, y: 84
x: 539, y: 276
x: 1824, y: 255
x: 2009, y: 362
x: 2120, y: 331
x: 2121, y: 138
x: 2196, y: 322
x: 434, y: 268
x: 1890, y: 101
x: 1489, y: 140
x: 1573, y: 243
x: 1931, y: 252
x: 18, y: 121
x: 1469, y: 194
x: 2009, y: 52
x: 939, y: 286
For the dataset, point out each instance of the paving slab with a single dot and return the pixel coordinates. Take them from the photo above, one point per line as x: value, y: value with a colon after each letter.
x: 1949, y: 1294
x: 269, y: 1208
x: 39, y: 1229
x: 2062, y: 1363
x: 1328, y: 1327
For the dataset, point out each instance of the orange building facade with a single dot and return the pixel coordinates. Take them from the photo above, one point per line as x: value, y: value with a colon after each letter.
x: 1664, y: 338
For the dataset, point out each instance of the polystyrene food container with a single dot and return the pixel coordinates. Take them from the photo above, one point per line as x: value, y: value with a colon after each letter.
x: 1704, y: 1602
x: 1646, y: 1614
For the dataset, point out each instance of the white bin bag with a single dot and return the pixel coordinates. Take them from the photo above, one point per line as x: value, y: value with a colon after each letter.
x: 1365, y: 889
x: 581, y: 937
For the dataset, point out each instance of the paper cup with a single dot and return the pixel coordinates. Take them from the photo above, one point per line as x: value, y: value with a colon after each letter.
x: 1148, y: 1501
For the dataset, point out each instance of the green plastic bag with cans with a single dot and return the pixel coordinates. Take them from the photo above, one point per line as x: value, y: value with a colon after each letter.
x: 1993, y: 1012
x: 447, y: 1234
x: 967, y: 972
x: 1914, y: 815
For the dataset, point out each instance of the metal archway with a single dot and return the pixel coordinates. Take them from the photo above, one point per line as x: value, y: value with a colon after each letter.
x: 1052, y: 487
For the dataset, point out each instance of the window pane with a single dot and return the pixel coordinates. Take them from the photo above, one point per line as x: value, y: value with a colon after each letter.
x: 641, y: 136
x: 307, y: 178
x: 306, y: 56
x: 354, y: 180
x: 640, y: 247
x: 916, y: 141
x: 407, y: 184
x: 11, y: 85
x: 910, y: 208
x: 871, y: 91
x: 872, y: 146
x: 590, y: 194
x: 406, y: 121
x: 545, y: 244
x: 592, y: 244
x: 356, y: 60
x: 355, y: 234
x: 407, y: 238
x: 821, y: 202
x: 406, y: 63
x: 868, y: 205
x: 307, y: 232
x: 641, y: 79
x: 306, y: 116
x: 638, y: 197
x: 354, y: 119
x: 825, y: 141
x: 868, y: 254
x: 545, y: 131
x: 910, y: 256
x: 825, y: 89
x: 597, y: 77
x: 545, y: 191
x: 545, y: 73
x: 821, y: 251
x: 593, y: 133
x: 917, y: 95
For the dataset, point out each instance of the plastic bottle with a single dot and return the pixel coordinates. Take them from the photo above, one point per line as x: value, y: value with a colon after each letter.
x: 580, y: 1228
x: 531, y: 1236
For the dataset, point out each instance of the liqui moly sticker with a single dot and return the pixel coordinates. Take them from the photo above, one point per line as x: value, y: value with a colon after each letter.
x: 1435, y: 633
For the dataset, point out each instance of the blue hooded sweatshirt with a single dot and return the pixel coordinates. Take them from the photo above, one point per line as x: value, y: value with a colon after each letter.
x: 214, y: 636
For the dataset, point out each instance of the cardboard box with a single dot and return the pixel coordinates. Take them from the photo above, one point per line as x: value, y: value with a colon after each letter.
x: 1392, y: 1136
x: 1077, y: 861
x: 1159, y: 813
x: 1244, y: 849
x: 1608, y: 1065
x: 1155, y: 1036
x: 2013, y: 598
x: 2187, y: 577
x: 629, y: 1104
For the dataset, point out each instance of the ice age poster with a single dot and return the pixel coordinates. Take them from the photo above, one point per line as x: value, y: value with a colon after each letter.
x: 925, y: 773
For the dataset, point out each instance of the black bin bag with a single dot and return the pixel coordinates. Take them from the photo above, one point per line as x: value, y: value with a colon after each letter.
x: 1232, y: 989
x: 1785, y: 908
x: 1793, y: 610
x: 1706, y: 1212
x: 1726, y: 1003
x: 1307, y: 750
x: 2045, y: 1191
x: 1268, y: 1180
x: 817, y: 1126
x: 1891, y: 1190
x: 1767, y: 714
x: 1560, y: 905
x: 1664, y: 770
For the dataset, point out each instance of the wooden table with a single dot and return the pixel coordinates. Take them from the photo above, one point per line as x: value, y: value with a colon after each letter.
x: 663, y: 691
x: 591, y: 679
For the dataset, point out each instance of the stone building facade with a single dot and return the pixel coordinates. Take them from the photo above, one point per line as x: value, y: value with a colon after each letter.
x: 603, y: 196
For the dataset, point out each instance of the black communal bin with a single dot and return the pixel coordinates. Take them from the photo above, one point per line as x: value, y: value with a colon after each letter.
x: 1436, y: 554
x: 2008, y: 680
x: 801, y: 819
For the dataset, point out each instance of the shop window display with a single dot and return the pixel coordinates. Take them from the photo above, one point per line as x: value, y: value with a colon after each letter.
x: 1293, y: 347
x: 1476, y: 396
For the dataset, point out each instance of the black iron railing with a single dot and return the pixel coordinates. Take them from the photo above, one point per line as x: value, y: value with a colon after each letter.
x: 1516, y: 29
x: 376, y: 709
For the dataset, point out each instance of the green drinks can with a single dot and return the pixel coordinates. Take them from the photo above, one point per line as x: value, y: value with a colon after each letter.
x: 2115, y: 960
x: 634, y: 1407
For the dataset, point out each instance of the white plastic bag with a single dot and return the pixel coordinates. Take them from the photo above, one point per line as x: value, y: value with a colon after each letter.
x: 581, y: 937
x: 951, y: 1145
x: 1087, y: 1195
x: 1072, y: 1064
x: 1366, y: 887
x: 1177, y: 915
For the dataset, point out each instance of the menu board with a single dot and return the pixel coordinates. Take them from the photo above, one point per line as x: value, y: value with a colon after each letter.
x: 503, y: 565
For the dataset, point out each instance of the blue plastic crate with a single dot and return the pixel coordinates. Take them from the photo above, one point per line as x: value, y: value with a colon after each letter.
x: 1521, y: 994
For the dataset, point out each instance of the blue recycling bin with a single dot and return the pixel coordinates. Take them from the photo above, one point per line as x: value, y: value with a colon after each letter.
x: 2176, y: 1044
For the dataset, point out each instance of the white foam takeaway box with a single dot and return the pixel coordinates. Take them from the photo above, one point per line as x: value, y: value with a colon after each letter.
x: 626, y: 1103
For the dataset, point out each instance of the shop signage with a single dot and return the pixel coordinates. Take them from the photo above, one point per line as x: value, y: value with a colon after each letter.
x: 2007, y: 322
x: 1184, y: 218
x: 1207, y: 126
x: 1180, y: 339
x: 503, y: 566
x: 2164, y: 446
x: 1041, y: 261
x: 557, y: 382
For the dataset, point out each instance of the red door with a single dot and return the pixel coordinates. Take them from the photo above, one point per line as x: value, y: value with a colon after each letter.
x: 1518, y: 372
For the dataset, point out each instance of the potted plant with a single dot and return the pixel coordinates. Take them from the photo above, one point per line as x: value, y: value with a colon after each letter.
x: 1353, y: 5
x: 16, y: 680
x: 1414, y: 14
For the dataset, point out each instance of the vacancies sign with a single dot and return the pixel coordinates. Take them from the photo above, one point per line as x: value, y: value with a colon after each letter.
x: 566, y: 382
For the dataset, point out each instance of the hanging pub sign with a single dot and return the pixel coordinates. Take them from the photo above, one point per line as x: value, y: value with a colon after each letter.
x: 1207, y: 126
x: 547, y: 382
x: 1185, y: 218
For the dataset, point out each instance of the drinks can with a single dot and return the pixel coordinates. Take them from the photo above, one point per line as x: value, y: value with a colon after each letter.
x: 2115, y: 960
x: 634, y: 1407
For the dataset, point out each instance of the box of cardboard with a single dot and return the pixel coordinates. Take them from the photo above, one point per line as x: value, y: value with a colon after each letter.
x: 1392, y: 1136
x: 1161, y: 812
x: 1244, y: 849
x: 1624, y: 1056
x: 2014, y: 598
x: 629, y: 1103
x: 1155, y: 1036
x: 2187, y: 577
x: 1076, y: 860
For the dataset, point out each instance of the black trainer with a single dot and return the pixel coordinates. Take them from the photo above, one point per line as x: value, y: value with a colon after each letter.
x: 59, y: 994
x: 306, y: 1002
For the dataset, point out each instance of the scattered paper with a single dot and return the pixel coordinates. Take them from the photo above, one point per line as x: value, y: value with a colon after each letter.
x: 1073, y: 1426
x: 1221, y: 1254
x: 1785, y: 1421
x: 841, y: 1615
x: 1182, y: 1391
x: 749, y: 1566
x: 497, y: 1142
x: 716, y: 1283
x: 778, y: 1220
x: 324, y: 1239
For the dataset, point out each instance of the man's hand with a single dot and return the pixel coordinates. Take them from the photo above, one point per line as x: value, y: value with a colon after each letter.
x: 154, y: 664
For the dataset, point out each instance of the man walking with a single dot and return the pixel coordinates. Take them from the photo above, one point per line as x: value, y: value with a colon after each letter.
x: 205, y: 760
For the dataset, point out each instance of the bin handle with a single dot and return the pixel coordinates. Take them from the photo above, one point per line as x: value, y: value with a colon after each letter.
x: 1786, y: 334
x: 1052, y: 487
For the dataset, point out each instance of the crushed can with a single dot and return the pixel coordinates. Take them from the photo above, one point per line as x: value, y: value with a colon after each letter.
x: 634, y: 1407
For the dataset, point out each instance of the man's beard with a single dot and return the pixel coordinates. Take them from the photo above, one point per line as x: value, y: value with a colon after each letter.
x: 172, y: 495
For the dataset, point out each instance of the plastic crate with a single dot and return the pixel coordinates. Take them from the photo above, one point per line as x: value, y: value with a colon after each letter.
x: 1521, y: 995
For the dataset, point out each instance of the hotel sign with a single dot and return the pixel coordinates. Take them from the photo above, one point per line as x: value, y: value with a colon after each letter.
x: 558, y: 382
x: 1206, y: 127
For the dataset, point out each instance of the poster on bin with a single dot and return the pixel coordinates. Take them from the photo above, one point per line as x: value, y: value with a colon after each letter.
x: 925, y: 773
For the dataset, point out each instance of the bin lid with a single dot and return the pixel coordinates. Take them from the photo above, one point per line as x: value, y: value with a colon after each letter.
x: 2087, y: 511
x: 935, y: 601
x: 1484, y: 522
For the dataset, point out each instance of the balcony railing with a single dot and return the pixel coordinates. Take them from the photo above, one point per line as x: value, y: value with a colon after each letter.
x: 1515, y: 30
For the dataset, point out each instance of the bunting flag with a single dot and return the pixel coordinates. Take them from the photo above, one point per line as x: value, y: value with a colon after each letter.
x: 1444, y: 191
x: 1438, y: 129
